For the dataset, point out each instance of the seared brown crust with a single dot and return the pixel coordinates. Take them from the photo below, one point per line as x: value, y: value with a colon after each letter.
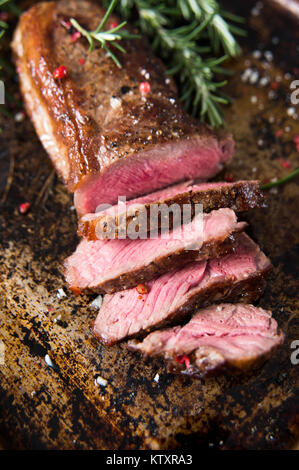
x: 246, y: 291
x: 242, y: 196
x: 74, y: 117
x: 212, y: 249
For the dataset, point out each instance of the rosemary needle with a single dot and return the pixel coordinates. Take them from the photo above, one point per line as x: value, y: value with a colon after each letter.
x: 103, y: 37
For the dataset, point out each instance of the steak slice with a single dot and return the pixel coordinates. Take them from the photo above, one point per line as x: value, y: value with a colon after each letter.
x: 225, y: 336
x: 103, y: 135
x: 173, y: 297
x: 112, y: 265
x: 239, y: 196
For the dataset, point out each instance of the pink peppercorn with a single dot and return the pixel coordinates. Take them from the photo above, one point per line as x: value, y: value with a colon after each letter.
x: 183, y: 360
x: 113, y: 25
x: 279, y: 133
x: 24, y: 207
x: 229, y: 178
x: 60, y: 72
x: 141, y: 289
x: 284, y: 163
x: 3, y: 15
x: 144, y: 87
x: 296, y: 140
x: 76, y: 35
x: 66, y: 24
x: 81, y: 61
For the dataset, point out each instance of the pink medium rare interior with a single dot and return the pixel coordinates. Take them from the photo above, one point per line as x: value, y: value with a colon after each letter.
x: 125, y: 315
x: 152, y: 170
x: 94, y: 262
x: 236, y: 331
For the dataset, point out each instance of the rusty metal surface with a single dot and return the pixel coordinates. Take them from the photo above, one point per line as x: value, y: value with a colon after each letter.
x: 62, y: 407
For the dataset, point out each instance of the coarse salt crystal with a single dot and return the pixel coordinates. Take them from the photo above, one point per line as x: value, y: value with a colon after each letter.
x: 101, y: 381
x: 20, y: 116
x: 97, y: 302
x: 48, y: 361
x: 255, y: 11
x: 268, y: 56
x: 273, y: 190
x: 257, y: 54
x: 291, y: 111
x: 264, y: 81
x: 253, y: 77
x: 115, y: 103
x: 246, y: 74
x: 253, y: 99
x: 156, y: 378
x: 61, y: 294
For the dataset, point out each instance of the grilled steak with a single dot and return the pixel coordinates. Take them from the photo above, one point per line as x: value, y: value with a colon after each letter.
x: 173, y: 297
x: 103, y: 135
x: 239, y: 196
x: 224, y: 336
x: 112, y: 265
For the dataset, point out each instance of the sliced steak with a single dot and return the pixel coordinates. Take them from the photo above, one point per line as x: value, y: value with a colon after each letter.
x: 112, y: 265
x: 103, y: 135
x: 173, y: 297
x: 224, y: 336
x: 239, y: 196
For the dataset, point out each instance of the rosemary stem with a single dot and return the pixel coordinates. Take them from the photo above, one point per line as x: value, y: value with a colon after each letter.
x: 106, y: 16
x: 283, y: 180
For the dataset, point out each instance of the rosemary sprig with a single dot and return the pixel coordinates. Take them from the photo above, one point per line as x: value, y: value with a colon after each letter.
x: 103, y: 37
x: 283, y: 180
x: 180, y: 49
x: 189, y: 35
